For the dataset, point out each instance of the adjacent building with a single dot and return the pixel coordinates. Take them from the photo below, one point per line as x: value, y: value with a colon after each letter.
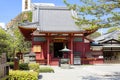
x: 110, y: 46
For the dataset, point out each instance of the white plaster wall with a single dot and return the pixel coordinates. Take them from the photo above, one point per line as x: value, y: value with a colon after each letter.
x: 118, y: 56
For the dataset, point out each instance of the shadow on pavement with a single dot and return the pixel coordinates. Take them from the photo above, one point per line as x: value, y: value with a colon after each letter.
x: 115, y: 76
x: 40, y: 77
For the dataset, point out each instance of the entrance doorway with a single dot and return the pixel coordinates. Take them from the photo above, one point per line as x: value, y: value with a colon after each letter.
x: 57, y: 47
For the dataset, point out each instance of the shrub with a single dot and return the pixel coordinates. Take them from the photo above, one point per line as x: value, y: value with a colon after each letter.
x: 23, y: 75
x: 34, y: 67
x: 46, y: 69
x: 23, y: 66
x: 11, y: 64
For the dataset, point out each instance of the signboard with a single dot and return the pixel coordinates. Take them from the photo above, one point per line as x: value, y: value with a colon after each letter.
x: 59, y: 39
x: 37, y: 48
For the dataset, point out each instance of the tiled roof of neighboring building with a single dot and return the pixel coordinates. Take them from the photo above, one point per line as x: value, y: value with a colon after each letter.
x: 108, y: 36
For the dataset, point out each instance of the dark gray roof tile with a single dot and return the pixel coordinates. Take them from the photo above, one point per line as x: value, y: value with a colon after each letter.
x: 53, y: 19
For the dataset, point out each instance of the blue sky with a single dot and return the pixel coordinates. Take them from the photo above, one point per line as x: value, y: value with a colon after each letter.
x: 11, y: 8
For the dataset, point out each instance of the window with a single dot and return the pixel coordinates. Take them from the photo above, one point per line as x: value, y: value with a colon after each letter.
x: 78, y: 39
x: 39, y: 39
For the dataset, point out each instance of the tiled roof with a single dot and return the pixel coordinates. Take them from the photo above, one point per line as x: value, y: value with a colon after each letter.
x: 108, y: 36
x: 29, y: 24
x: 54, y: 19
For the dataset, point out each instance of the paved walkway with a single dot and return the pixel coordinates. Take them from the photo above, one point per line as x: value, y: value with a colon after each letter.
x: 84, y: 72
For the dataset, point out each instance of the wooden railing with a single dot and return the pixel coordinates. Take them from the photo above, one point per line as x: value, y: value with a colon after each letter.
x: 92, y: 61
x: 112, y: 61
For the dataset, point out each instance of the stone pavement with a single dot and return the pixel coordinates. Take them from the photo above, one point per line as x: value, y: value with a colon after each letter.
x: 84, y: 72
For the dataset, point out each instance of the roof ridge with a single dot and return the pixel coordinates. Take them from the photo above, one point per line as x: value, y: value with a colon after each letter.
x: 28, y: 23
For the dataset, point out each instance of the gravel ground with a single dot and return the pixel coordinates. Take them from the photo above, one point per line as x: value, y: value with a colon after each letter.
x: 84, y: 72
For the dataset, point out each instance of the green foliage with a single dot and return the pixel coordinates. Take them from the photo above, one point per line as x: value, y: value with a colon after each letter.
x: 4, y: 41
x: 23, y: 75
x: 103, y: 13
x: 26, y: 16
x: 92, y: 27
x: 113, y: 29
x: 34, y: 67
x: 46, y: 69
x: 94, y: 35
x: 11, y: 65
x: 30, y: 16
x: 17, y: 42
x: 23, y: 66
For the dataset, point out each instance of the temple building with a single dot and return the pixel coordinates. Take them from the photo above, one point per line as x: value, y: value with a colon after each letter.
x: 53, y: 28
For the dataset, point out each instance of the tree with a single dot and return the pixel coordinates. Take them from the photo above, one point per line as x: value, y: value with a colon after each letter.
x: 94, y: 35
x: 98, y: 13
x: 4, y: 41
x: 18, y: 42
x: 113, y: 29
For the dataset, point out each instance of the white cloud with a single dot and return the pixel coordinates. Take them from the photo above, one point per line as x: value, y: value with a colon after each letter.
x: 2, y: 25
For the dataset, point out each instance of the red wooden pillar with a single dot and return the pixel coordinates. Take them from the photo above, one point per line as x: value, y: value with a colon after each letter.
x: 32, y: 42
x: 84, y: 50
x: 48, y: 54
x: 83, y: 53
x: 71, y: 53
